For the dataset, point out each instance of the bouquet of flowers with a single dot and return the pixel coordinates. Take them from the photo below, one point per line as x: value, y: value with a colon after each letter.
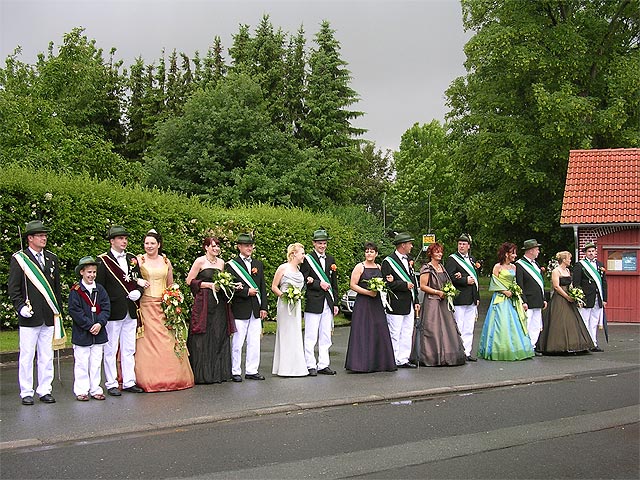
x: 553, y: 263
x: 577, y: 295
x: 450, y: 292
x: 292, y: 295
x: 172, y: 302
x: 223, y: 281
x: 515, y: 289
x: 377, y: 284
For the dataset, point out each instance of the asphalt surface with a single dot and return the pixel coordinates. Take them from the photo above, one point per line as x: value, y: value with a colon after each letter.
x: 69, y: 419
x: 567, y: 429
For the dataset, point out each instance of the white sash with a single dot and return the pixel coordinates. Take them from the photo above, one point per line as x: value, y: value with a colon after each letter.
x: 593, y: 273
x: 531, y: 270
x: 467, y: 268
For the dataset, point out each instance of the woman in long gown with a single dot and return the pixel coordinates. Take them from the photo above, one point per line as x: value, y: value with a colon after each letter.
x: 504, y: 334
x: 369, y: 348
x: 440, y: 343
x: 158, y: 368
x: 209, y: 331
x: 288, y: 356
x: 563, y: 331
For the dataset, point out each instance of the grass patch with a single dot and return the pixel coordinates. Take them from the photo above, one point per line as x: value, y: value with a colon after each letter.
x: 9, y: 341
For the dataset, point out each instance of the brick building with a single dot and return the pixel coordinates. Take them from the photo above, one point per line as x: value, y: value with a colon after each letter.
x: 602, y: 204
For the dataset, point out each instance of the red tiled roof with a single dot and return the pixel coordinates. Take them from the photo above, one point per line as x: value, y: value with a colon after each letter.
x: 603, y: 186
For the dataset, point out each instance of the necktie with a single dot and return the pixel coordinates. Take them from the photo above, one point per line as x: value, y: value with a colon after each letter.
x: 322, y: 262
x: 247, y: 262
x: 40, y: 259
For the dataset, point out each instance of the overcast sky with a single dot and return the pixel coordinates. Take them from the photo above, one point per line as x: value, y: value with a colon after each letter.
x: 402, y: 54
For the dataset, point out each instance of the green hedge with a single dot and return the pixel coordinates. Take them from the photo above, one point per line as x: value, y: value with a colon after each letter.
x: 79, y: 210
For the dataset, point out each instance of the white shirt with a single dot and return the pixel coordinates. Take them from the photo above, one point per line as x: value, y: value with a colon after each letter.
x: 121, y: 258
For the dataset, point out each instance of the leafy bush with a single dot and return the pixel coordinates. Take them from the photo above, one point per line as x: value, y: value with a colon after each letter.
x: 79, y: 210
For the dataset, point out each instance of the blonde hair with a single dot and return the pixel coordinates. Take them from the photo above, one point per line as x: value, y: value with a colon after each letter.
x: 292, y: 249
x: 560, y: 256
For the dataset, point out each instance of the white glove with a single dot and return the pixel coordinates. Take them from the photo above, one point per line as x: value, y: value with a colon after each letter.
x: 134, y: 295
x: 25, y: 312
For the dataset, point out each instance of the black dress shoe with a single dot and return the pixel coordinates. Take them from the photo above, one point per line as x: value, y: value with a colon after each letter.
x: 537, y: 354
x: 133, y: 389
x: 254, y: 376
x: 47, y: 398
x: 313, y: 372
x: 596, y: 349
x: 471, y: 358
x: 236, y: 378
x: 408, y: 365
x: 114, y: 392
x: 326, y: 371
x: 28, y: 400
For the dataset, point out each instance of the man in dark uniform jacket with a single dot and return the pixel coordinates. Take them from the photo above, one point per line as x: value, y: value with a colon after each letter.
x: 461, y: 268
x: 589, y: 275
x: 319, y: 271
x: 249, y: 306
x: 36, y: 310
x: 119, y: 274
x: 398, y: 272
x: 529, y: 277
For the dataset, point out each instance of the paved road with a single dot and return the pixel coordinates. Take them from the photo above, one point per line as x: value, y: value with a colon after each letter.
x: 568, y: 429
x: 132, y: 413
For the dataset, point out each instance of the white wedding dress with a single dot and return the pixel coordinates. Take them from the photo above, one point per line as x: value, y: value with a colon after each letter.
x: 288, y: 356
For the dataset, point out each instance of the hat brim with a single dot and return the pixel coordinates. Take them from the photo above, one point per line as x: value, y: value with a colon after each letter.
x: 398, y: 242
x: 39, y: 230
x: 80, y: 267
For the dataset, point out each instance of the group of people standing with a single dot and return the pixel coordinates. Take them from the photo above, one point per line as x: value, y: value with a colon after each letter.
x: 117, y: 312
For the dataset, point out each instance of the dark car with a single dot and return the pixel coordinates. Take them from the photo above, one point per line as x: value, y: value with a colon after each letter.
x: 346, y: 303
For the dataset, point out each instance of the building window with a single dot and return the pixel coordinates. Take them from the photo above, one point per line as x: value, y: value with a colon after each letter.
x: 622, y: 260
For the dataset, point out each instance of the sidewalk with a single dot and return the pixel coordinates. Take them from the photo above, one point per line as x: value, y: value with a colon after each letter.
x: 69, y: 419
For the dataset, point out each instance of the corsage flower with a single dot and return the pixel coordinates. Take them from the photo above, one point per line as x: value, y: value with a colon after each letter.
x: 333, y: 267
x: 254, y: 270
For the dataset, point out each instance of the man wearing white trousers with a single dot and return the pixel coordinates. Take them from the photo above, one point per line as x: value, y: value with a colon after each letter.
x: 119, y: 274
x: 249, y: 306
x: 461, y: 268
x: 34, y: 289
x: 589, y: 275
x: 529, y: 277
x: 320, y: 273
x: 398, y: 272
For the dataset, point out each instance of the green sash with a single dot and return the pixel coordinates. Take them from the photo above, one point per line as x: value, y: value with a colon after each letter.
x: 593, y: 273
x: 245, y: 277
x: 402, y: 273
x: 38, y: 280
x: 466, y: 266
x: 317, y: 268
x: 533, y: 271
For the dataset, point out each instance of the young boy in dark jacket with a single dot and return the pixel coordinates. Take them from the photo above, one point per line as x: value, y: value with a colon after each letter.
x: 89, y: 308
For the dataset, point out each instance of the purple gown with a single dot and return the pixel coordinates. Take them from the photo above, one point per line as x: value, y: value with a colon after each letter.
x: 370, y: 348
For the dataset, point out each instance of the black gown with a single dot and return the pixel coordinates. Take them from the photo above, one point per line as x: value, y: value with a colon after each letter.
x: 370, y: 348
x: 210, y: 352
x: 563, y: 330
